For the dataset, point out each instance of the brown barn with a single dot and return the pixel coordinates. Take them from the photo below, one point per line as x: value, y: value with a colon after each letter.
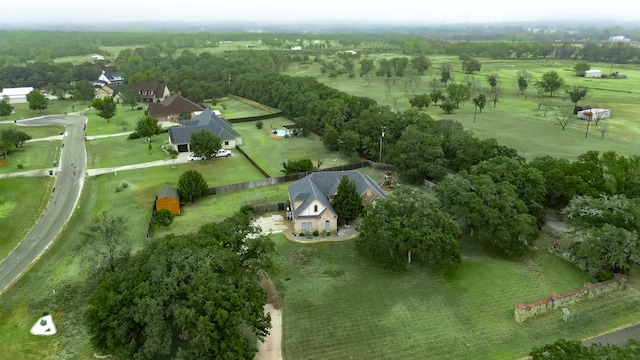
x: 168, y: 199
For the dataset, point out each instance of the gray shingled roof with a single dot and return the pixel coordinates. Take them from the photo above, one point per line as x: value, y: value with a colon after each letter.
x: 324, y: 184
x: 113, y: 74
x: 169, y: 192
x: 207, y: 120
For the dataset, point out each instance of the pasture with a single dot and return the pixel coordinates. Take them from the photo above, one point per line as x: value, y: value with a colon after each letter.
x: 516, y: 121
x: 339, y: 305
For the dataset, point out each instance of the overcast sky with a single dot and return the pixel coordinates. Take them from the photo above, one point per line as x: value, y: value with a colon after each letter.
x: 58, y: 11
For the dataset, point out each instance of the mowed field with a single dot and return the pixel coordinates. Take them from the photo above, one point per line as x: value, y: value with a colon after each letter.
x: 515, y: 121
x: 337, y: 304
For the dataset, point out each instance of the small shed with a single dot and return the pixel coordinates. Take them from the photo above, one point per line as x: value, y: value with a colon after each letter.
x: 169, y: 199
x: 594, y: 73
x: 594, y: 114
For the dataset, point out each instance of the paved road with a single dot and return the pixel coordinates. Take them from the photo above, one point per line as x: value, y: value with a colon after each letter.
x: 69, y: 178
x: 617, y: 337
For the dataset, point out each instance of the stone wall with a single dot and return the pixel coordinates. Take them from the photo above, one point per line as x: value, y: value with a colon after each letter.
x: 523, y: 312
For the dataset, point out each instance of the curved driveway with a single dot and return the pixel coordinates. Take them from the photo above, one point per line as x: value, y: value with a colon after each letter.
x: 69, y: 178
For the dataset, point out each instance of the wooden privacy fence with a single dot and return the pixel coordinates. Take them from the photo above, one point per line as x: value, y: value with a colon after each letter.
x: 263, y: 107
x: 293, y: 177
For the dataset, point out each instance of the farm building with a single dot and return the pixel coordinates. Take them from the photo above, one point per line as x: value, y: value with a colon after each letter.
x: 594, y: 73
x: 16, y: 95
x: 169, y: 199
x: 594, y: 114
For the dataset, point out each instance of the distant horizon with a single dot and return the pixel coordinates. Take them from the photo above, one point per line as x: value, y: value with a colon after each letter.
x: 65, y: 12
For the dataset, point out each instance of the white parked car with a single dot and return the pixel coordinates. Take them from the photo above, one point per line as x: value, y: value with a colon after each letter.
x: 193, y: 157
x: 222, y: 153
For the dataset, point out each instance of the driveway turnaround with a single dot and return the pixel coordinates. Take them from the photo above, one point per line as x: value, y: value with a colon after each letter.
x: 69, y: 178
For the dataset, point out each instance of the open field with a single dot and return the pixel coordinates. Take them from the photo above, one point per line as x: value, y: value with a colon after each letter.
x: 33, y: 156
x: 120, y: 150
x: 234, y: 109
x: 79, y: 59
x: 270, y: 151
x: 338, y: 305
x: 24, y: 199
x: 99, y: 126
x: 516, y: 122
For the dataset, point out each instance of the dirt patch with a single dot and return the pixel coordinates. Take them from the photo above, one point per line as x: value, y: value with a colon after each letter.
x: 272, y: 295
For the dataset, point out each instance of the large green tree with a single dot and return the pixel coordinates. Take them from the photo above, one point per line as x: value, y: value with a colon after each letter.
x: 420, y: 101
x: 458, y: 93
x: 83, y: 91
x: 147, y: 126
x: 572, y: 349
x: 106, y: 107
x: 607, y: 228
x: 37, y: 101
x: 192, y: 186
x: 204, y: 143
x: 522, y: 79
x: 130, y: 97
x: 581, y: 68
x: 446, y: 73
x: 107, y: 241
x: 550, y: 82
x: 407, y: 227
x: 497, y: 217
x: 5, y: 107
x: 297, y: 166
x: 194, y: 296
x: 418, y: 155
x: 14, y: 137
x: 347, y: 202
x: 421, y: 63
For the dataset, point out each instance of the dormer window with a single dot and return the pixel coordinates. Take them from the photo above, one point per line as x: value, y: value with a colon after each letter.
x: 315, y: 208
x: 150, y: 92
x: 144, y: 93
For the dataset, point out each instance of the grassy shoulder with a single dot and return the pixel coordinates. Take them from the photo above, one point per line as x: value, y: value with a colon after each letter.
x: 99, y: 126
x: 24, y: 199
x: 32, y: 156
x: 337, y: 305
x: 55, y: 107
x: 120, y: 151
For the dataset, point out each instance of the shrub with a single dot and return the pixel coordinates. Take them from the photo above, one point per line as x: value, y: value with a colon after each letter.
x: 139, y: 108
x: 20, y: 166
x: 150, y: 147
x: 315, y: 233
x: 134, y: 135
x: 163, y: 217
x: 118, y: 189
x: 259, y: 124
x: 125, y: 185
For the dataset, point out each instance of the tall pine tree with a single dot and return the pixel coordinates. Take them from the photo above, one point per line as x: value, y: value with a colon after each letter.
x: 347, y: 201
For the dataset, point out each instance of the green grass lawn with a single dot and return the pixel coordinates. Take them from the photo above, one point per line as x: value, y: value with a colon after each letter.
x: 99, y: 126
x: 215, y: 208
x: 120, y: 150
x: 35, y: 132
x: 516, y: 122
x: 270, y: 151
x: 339, y: 305
x: 234, y: 109
x: 22, y: 199
x: 32, y: 156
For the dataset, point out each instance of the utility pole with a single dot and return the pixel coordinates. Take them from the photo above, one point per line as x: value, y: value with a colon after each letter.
x: 381, y: 138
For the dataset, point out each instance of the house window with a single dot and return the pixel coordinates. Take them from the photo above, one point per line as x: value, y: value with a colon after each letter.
x: 226, y: 143
x: 306, y: 226
x: 150, y: 92
x: 315, y: 208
